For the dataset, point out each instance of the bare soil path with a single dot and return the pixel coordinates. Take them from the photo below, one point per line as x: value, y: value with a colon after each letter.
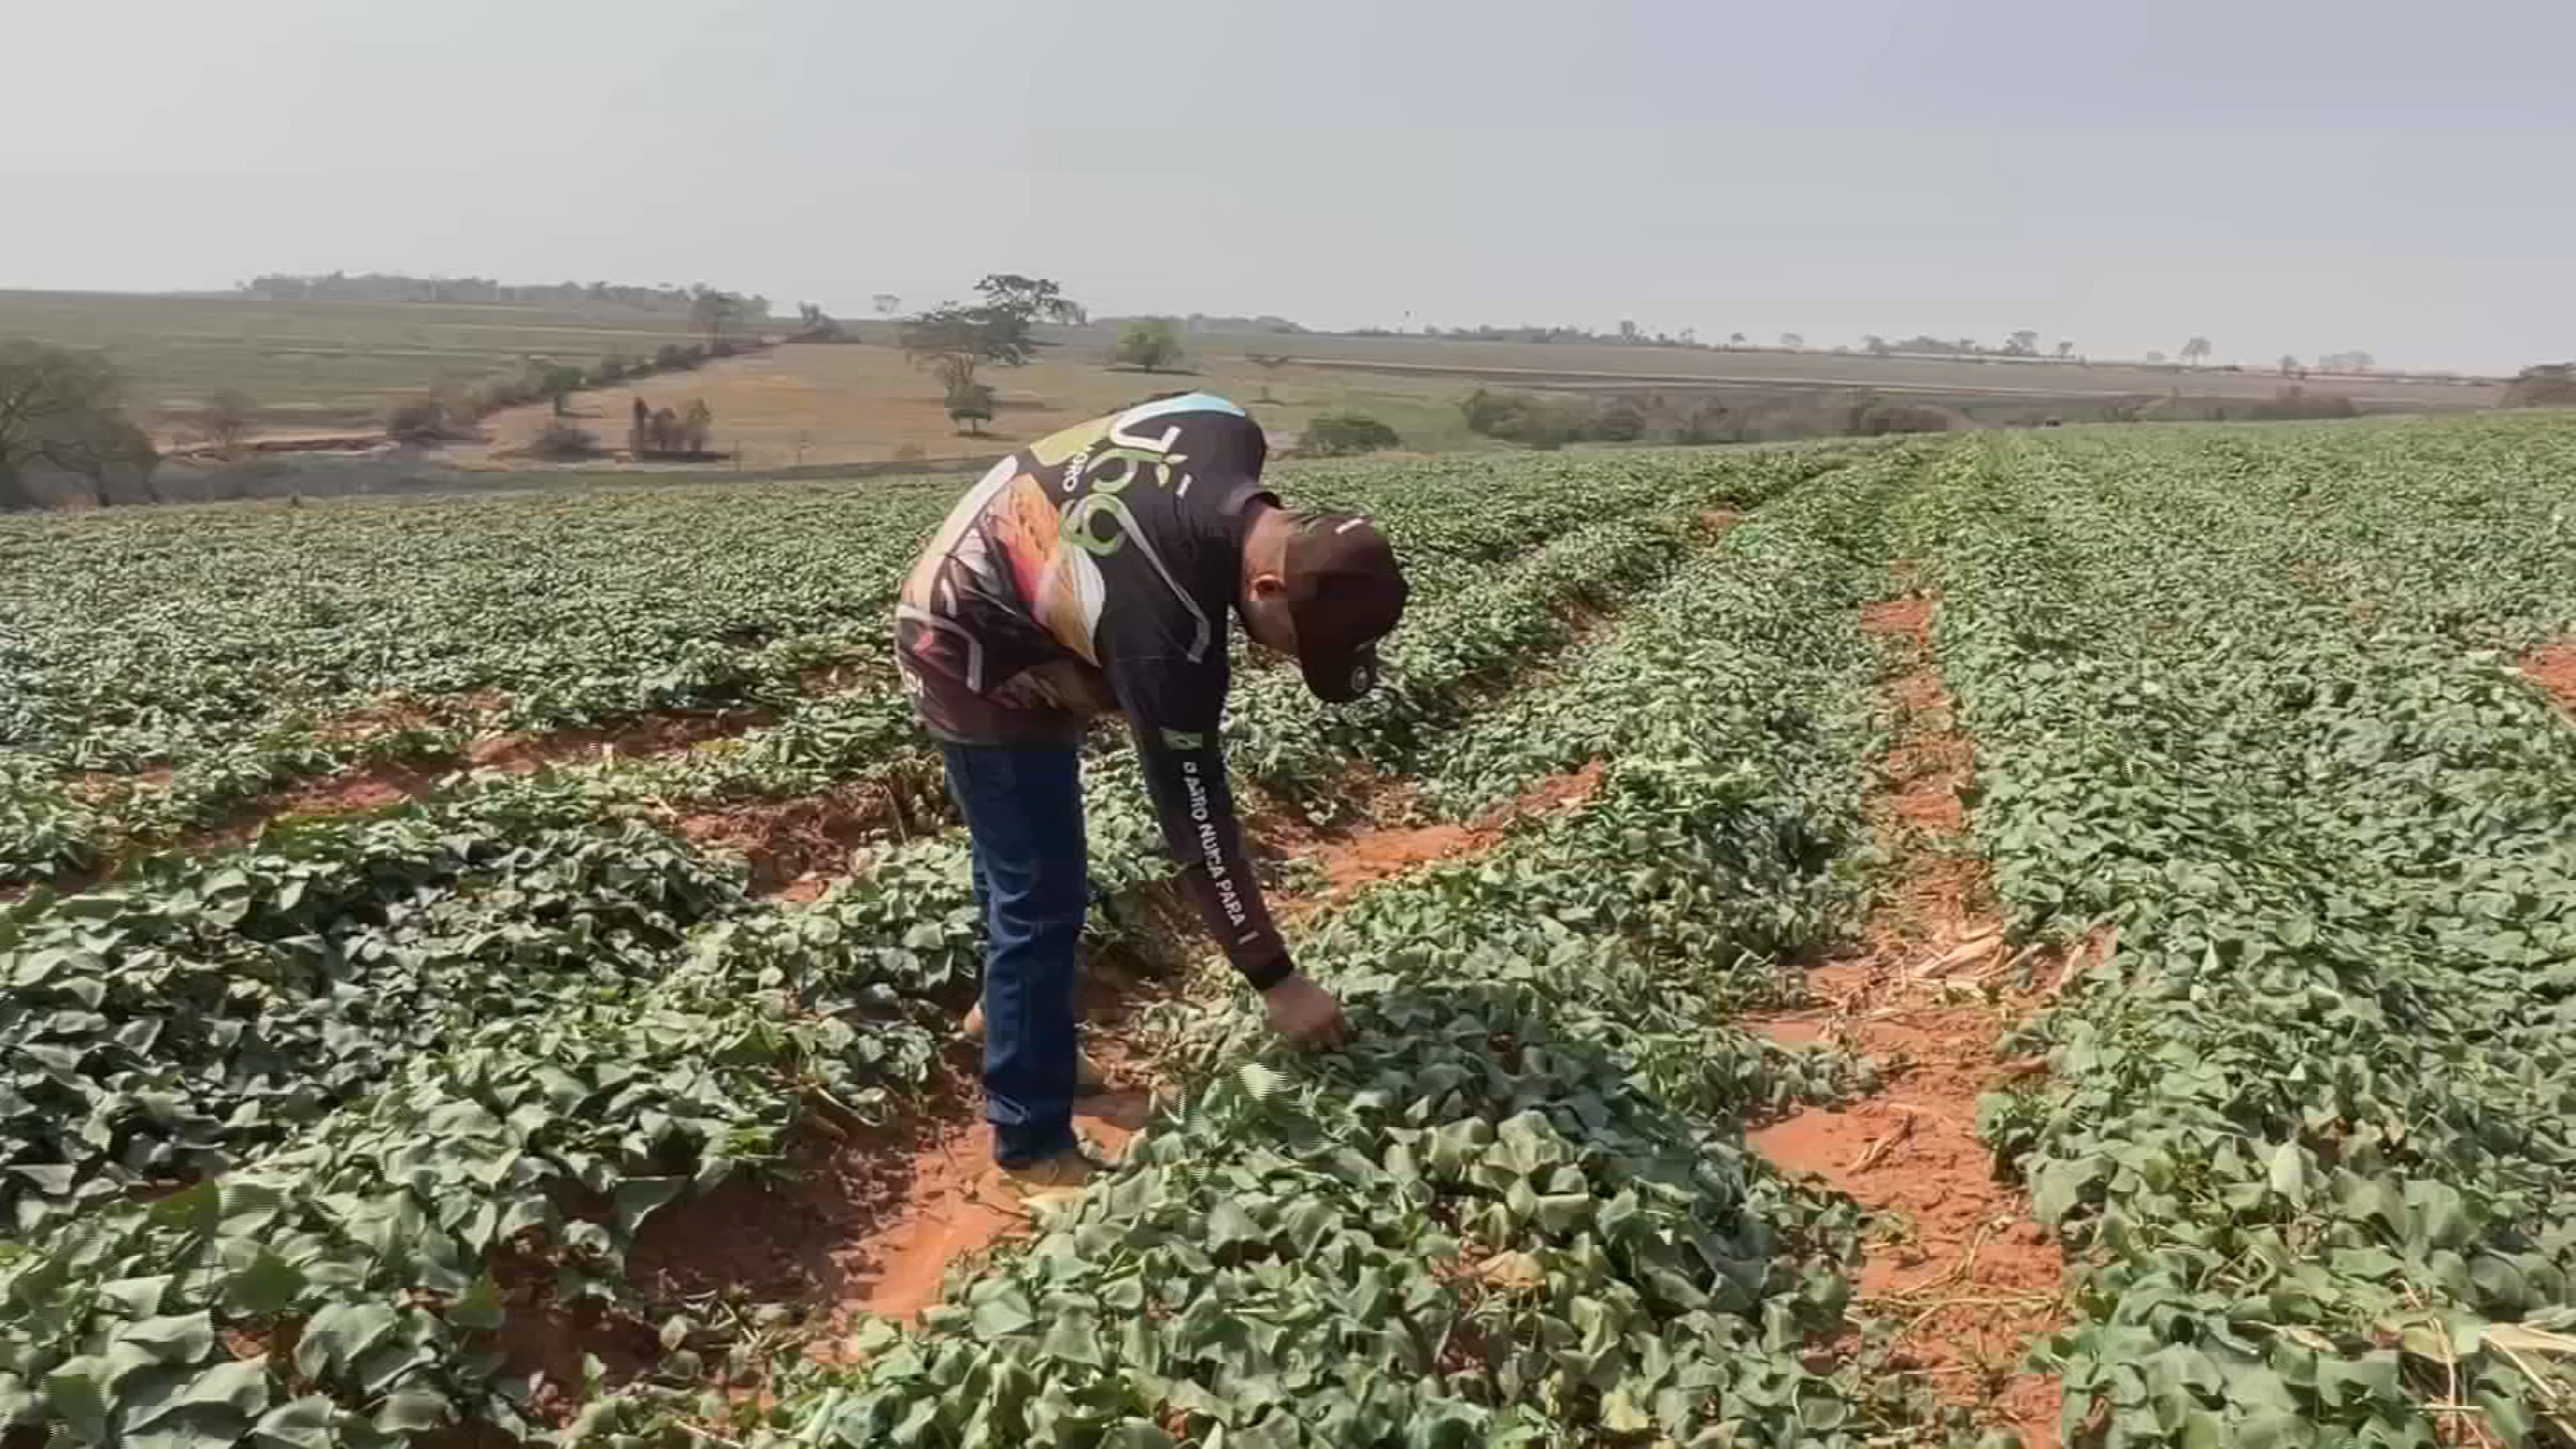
x: 1956, y: 1264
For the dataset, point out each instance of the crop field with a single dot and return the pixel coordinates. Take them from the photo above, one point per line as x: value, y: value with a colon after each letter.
x: 319, y: 365
x: 2046, y: 938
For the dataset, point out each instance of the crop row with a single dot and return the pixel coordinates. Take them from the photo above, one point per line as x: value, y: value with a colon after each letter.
x: 2312, y: 1115
x: 1519, y: 1208
x: 235, y: 652
x: 365, y: 1236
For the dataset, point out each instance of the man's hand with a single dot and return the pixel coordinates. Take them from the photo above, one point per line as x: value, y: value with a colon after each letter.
x: 1305, y: 1013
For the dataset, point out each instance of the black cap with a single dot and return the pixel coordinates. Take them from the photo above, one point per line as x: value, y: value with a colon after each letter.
x: 1344, y: 594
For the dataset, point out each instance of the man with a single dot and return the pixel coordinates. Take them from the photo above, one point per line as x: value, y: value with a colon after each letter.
x: 1090, y: 573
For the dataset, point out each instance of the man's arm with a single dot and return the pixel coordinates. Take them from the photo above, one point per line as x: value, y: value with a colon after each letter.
x: 1185, y: 775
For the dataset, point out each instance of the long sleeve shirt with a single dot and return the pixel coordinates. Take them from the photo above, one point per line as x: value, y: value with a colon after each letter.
x: 1092, y: 572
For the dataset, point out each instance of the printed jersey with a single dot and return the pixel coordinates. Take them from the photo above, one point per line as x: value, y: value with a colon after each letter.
x: 1093, y: 572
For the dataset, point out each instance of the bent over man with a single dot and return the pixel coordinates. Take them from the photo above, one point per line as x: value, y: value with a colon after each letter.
x: 1088, y: 573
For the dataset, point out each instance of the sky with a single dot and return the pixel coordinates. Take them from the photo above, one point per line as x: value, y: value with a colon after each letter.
x: 2283, y: 176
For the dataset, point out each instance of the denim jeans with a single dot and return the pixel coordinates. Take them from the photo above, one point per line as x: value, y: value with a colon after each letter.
x: 1023, y: 809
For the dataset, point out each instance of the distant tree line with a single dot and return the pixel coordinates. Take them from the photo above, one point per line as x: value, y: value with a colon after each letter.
x: 396, y: 287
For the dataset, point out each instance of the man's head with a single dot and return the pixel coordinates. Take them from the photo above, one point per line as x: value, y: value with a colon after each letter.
x: 1324, y: 587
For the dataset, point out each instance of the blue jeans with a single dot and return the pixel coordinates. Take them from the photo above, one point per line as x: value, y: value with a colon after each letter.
x: 1023, y: 809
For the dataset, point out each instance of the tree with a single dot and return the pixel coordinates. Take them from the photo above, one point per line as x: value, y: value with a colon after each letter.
x: 711, y: 311
x: 556, y: 382
x: 813, y: 324
x: 1627, y: 330
x: 886, y: 303
x: 2354, y: 361
x: 970, y: 402
x: 1792, y: 341
x: 2065, y: 349
x: 1035, y: 298
x: 1151, y: 343
x: 2289, y: 365
x: 2024, y: 343
x: 224, y: 419
x: 1735, y: 339
x: 2155, y: 357
x: 1877, y: 345
x: 953, y: 341
x: 65, y: 410
x: 2195, y: 350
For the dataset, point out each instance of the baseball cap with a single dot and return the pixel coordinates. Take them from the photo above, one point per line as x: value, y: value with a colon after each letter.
x: 1344, y: 594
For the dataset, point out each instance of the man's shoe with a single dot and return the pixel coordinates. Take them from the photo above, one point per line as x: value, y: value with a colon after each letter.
x: 1051, y: 1181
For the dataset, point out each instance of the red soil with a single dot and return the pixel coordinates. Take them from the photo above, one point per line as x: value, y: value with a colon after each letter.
x: 2553, y: 668
x: 1964, y: 1275
x: 1351, y: 858
x: 798, y: 847
x: 658, y: 734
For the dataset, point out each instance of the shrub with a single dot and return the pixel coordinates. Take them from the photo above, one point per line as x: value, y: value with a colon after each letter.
x: 1874, y: 419
x: 563, y: 441
x: 971, y: 403
x: 1338, y: 434
x: 1618, y: 421
x: 2298, y: 402
x: 674, y: 357
x: 1150, y: 343
x: 1535, y: 420
x: 424, y: 419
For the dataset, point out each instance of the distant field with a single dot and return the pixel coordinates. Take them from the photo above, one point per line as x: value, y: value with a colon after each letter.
x: 863, y: 403
x: 1563, y: 364
x: 317, y: 365
x: 323, y: 367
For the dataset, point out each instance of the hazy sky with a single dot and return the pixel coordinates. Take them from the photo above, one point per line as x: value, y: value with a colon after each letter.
x: 2284, y: 175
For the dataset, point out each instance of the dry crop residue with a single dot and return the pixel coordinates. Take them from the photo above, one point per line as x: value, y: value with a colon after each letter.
x: 1956, y: 1265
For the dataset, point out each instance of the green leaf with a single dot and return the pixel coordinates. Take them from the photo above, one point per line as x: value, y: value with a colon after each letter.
x: 304, y: 1423
x: 639, y: 1198
x: 2290, y: 1172
x: 1003, y: 1311
x: 269, y: 1285
x: 412, y: 1411
x: 74, y: 1395
x: 480, y: 1306
x: 336, y: 1334
x: 240, y: 1386
x: 1229, y: 1226
x: 178, y: 1338
x: 1075, y: 1338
